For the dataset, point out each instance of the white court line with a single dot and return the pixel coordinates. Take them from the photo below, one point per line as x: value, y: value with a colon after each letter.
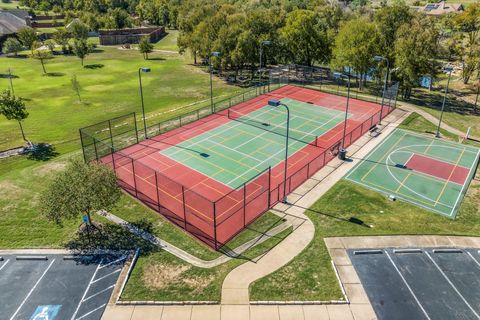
x: 4, y: 264
x: 467, y: 182
x: 99, y: 292
x: 86, y: 290
x: 92, y: 311
x: 453, y: 286
x: 408, y: 286
x: 224, y: 146
x: 31, y: 290
x: 110, y: 263
x: 101, y: 278
x: 471, y: 256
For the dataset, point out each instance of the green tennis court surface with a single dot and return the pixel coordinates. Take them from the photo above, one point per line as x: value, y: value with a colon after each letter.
x: 427, y: 172
x: 238, y: 150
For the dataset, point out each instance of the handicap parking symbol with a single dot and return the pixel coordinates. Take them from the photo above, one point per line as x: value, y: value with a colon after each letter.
x: 48, y: 312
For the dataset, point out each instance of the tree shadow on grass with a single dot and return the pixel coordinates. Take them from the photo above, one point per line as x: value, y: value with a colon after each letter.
x: 8, y: 76
x: 42, y: 152
x: 94, y: 66
x: 156, y: 59
x: 54, y: 74
x: 109, y: 237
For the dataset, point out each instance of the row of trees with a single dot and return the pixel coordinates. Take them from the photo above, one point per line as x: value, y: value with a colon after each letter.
x: 323, y: 33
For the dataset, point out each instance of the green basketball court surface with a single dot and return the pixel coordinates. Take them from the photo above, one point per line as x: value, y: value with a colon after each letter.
x: 236, y: 151
x: 428, y: 172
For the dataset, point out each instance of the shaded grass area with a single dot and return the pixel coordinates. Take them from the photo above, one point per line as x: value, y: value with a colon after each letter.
x: 163, y: 277
x: 168, y: 42
x: 348, y: 209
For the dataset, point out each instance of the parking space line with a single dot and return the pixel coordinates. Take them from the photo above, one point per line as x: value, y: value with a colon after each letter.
x: 407, y: 285
x: 100, y: 292
x: 4, y: 264
x: 91, y: 311
x: 452, y: 285
x: 471, y: 256
x: 99, y: 279
x: 86, y: 290
x: 31, y: 290
x: 110, y: 263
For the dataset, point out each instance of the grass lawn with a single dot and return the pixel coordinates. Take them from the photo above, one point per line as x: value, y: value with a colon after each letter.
x: 169, y: 42
x: 109, y: 84
x: 163, y: 277
x: 9, y: 5
x: 310, y: 277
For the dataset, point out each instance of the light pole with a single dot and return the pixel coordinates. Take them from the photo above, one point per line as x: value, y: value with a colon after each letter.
x: 449, y: 70
x: 263, y: 43
x: 277, y: 103
x: 343, y: 152
x: 378, y: 59
x: 140, y: 70
x: 213, y: 54
x: 476, y: 98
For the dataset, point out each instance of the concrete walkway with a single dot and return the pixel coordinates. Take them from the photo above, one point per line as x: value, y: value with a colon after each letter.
x: 187, y: 257
x: 236, y: 284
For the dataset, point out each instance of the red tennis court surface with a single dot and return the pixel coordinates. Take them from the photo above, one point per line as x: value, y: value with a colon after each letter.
x: 439, y: 169
x: 211, y: 210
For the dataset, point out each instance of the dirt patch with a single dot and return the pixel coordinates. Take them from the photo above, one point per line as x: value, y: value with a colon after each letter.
x: 160, y: 276
x: 198, y: 283
x: 10, y: 191
x: 49, y: 168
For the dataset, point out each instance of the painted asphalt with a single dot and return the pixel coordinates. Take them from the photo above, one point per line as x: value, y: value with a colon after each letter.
x: 34, y: 288
x: 420, y: 283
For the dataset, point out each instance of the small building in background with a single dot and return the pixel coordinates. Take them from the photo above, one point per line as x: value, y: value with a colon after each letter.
x: 441, y: 8
x: 13, y: 20
x: 130, y: 36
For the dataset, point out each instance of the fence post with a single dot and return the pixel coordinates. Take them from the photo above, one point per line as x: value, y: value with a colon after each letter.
x: 134, y: 179
x: 95, y: 147
x: 83, y: 148
x: 244, y: 205
x: 269, y: 185
x: 158, y: 193
x: 215, y: 225
x: 135, y: 123
x: 184, y: 209
x: 113, y: 160
x: 110, y: 130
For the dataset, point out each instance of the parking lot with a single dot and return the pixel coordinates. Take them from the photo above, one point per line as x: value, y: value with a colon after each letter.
x: 420, y: 283
x: 57, y: 286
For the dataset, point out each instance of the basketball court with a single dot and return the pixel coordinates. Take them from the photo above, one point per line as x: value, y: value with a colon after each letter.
x: 428, y: 172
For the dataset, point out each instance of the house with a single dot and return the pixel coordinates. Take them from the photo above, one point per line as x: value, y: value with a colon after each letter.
x: 440, y: 8
x: 13, y: 20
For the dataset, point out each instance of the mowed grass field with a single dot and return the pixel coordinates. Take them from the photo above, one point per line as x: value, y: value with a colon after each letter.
x: 109, y: 87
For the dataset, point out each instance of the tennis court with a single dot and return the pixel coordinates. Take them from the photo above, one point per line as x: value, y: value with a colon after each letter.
x: 428, y: 172
x: 229, y: 166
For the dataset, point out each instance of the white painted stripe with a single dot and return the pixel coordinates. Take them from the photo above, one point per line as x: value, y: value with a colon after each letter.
x: 4, y: 264
x: 92, y: 311
x: 113, y: 262
x: 31, y: 290
x: 467, y: 182
x: 473, y: 258
x: 99, y: 279
x: 86, y: 290
x: 99, y: 292
x: 453, y: 286
x: 407, y: 285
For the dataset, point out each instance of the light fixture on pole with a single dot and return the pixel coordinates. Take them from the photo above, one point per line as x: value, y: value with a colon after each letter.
x: 213, y: 54
x: 448, y: 69
x: 145, y: 70
x: 378, y: 59
x: 342, y: 152
x: 263, y: 43
x: 277, y: 103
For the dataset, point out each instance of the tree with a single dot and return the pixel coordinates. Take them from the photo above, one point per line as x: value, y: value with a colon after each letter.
x: 50, y: 44
x: 118, y: 18
x: 12, y: 45
x: 62, y: 37
x: 78, y: 30
x: 81, y: 189
x: 469, y: 22
x: 80, y: 49
x: 145, y: 47
x: 42, y: 55
x: 305, y: 37
x: 355, y: 46
x: 28, y: 37
x: 76, y: 86
x: 13, y: 108
x: 415, y: 52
